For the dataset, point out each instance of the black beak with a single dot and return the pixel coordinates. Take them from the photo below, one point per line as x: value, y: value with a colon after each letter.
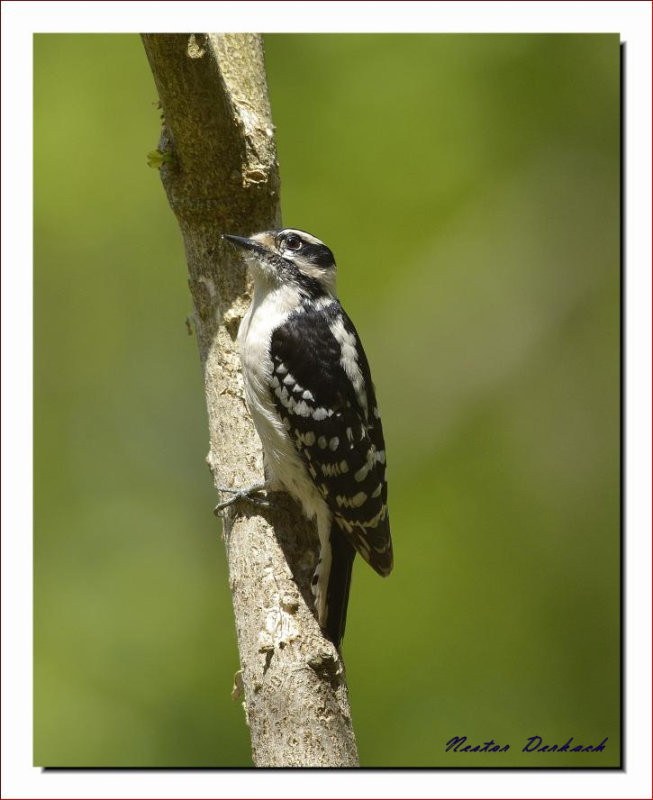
x: 240, y: 240
x: 247, y: 244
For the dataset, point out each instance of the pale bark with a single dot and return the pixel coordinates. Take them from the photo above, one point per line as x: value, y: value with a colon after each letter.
x: 221, y: 175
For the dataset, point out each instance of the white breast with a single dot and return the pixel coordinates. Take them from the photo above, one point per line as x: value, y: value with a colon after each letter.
x: 284, y: 467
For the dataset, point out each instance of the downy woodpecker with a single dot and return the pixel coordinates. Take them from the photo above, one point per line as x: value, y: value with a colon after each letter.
x: 310, y: 393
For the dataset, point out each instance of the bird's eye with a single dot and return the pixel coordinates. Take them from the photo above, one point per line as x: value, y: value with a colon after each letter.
x: 293, y: 242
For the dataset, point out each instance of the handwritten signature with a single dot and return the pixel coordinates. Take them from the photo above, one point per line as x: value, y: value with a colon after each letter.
x: 458, y: 744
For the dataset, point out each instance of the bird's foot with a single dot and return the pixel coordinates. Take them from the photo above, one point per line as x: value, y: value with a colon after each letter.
x: 248, y: 494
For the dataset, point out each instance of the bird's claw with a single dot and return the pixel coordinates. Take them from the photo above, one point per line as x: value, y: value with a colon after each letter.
x: 248, y: 494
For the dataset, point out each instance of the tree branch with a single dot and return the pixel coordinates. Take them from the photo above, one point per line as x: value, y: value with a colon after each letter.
x: 220, y: 173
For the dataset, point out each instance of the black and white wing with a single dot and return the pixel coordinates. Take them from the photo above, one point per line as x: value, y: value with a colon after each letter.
x: 323, y: 392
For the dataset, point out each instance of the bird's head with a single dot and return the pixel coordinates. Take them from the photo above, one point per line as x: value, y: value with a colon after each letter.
x: 289, y: 256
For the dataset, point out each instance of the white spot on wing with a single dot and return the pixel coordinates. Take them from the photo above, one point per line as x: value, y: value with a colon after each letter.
x: 301, y: 408
x: 333, y: 470
x: 363, y: 545
x: 351, y: 502
x: 307, y: 439
x: 364, y: 471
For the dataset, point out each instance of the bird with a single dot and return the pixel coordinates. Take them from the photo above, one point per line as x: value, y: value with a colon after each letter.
x: 309, y: 389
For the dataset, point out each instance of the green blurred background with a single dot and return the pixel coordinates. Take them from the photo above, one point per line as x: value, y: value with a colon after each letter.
x: 469, y: 186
